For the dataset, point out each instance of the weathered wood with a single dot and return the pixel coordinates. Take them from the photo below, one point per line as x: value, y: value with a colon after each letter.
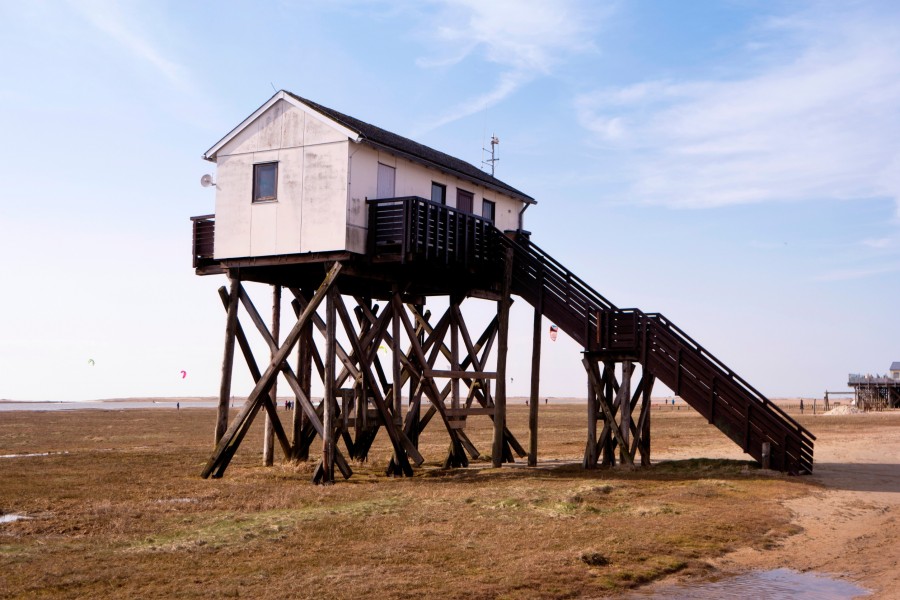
x: 299, y: 421
x: 269, y: 429
x: 625, y: 412
x: 399, y: 441
x: 397, y: 385
x: 534, y: 396
x: 255, y: 374
x: 328, y: 442
x: 231, y: 322
x: 591, y: 455
x: 502, y: 348
x: 604, y: 406
x: 222, y: 455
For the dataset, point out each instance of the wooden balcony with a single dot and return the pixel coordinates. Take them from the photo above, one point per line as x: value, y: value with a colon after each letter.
x: 414, y: 229
x: 204, y: 239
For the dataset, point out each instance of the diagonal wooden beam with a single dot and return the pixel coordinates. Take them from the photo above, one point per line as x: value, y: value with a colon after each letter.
x: 399, y: 441
x: 255, y: 374
x: 228, y: 444
x: 607, y: 411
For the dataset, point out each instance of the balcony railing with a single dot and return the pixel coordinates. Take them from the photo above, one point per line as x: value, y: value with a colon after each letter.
x: 414, y: 228
x: 204, y: 236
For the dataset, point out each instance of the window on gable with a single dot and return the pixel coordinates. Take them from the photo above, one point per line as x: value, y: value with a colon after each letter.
x: 488, y: 209
x: 265, y: 182
x: 438, y: 193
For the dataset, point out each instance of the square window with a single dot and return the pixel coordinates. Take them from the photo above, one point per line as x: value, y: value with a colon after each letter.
x: 438, y: 193
x: 488, y: 208
x: 265, y: 182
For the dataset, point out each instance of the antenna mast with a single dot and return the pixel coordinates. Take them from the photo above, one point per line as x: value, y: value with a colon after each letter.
x: 495, y: 141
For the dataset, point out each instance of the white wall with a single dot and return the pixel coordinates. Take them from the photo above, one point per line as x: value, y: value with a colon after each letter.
x: 414, y: 179
x: 309, y: 214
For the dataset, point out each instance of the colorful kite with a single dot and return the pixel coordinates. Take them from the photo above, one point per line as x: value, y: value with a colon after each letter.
x: 554, y: 331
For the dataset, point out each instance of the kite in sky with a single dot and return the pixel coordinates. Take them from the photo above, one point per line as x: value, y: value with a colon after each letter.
x: 554, y: 330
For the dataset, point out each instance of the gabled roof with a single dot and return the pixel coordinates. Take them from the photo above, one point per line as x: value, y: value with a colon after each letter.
x: 895, y: 366
x: 362, y: 132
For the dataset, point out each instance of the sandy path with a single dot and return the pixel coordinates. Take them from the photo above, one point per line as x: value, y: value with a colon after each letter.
x: 851, y: 527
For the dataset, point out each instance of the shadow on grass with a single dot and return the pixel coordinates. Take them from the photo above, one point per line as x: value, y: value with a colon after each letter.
x: 675, y: 470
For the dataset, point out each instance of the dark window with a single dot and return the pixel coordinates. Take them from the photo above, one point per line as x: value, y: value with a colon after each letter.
x: 488, y: 209
x: 464, y: 201
x: 438, y: 193
x: 265, y: 182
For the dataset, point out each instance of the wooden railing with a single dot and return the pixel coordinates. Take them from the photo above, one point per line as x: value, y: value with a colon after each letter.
x: 204, y: 237
x: 414, y: 228
x: 697, y: 376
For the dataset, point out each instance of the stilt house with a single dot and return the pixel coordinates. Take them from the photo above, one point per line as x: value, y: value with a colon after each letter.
x: 329, y: 208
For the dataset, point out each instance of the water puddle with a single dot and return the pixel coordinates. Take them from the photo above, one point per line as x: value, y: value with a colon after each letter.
x: 11, y: 518
x: 30, y: 455
x: 779, y: 584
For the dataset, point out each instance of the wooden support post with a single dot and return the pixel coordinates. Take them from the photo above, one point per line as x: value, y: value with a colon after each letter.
x: 607, y: 410
x: 231, y: 323
x: 502, y: 348
x: 231, y: 439
x: 590, y: 451
x: 534, y: 399
x: 328, y: 421
x: 299, y: 421
x: 269, y: 430
x: 607, y: 443
x: 396, y: 385
x: 644, y: 420
x: 255, y: 374
x: 625, y: 411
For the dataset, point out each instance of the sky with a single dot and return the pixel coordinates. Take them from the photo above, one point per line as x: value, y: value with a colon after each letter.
x: 734, y: 165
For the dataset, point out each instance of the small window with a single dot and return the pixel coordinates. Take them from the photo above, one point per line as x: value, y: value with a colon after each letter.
x: 438, y: 193
x: 464, y: 201
x: 265, y: 182
x: 488, y: 209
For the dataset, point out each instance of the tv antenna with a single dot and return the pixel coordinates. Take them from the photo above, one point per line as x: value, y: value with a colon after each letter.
x: 495, y: 141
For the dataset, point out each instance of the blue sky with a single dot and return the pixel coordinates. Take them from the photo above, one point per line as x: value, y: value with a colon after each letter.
x: 734, y: 165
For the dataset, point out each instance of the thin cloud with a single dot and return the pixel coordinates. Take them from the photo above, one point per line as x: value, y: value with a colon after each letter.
x: 820, y: 122
x: 861, y: 273
x: 527, y: 38
x: 107, y: 18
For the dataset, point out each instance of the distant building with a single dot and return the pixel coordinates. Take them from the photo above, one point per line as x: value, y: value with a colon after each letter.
x: 877, y: 392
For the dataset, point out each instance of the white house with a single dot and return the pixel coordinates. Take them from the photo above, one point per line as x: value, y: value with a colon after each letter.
x: 294, y: 177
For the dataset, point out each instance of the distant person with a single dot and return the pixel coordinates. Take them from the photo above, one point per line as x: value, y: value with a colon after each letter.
x: 178, y: 406
x: 801, y: 406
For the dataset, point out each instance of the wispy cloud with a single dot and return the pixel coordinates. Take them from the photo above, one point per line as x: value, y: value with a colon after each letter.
x: 108, y: 18
x: 526, y: 38
x: 819, y: 121
x: 858, y: 273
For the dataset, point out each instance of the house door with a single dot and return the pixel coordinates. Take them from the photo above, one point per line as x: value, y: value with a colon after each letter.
x: 464, y: 201
x: 385, y: 184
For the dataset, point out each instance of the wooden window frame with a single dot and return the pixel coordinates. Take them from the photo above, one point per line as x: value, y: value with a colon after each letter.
x: 443, y: 188
x: 471, y: 198
x: 493, y: 205
x: 256, y: 197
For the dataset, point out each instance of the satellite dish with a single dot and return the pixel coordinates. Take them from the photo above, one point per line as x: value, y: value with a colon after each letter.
x: 207, y: 180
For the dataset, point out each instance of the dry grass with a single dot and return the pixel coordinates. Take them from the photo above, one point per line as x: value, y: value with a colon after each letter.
x: 122, y: 512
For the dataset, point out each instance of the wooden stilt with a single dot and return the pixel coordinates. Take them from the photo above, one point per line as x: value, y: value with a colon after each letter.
x: 254, y: 372
x: 625, y: 412
x: 502, y: 347
x: 534, y: 399
x: 231, y: 322
x: 269, y: 430
x: 228, y: 444
x: 300, y: 451
x: 329, y: 395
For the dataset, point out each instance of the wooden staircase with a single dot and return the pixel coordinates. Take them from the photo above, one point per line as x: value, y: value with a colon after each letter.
x: 725, y: 399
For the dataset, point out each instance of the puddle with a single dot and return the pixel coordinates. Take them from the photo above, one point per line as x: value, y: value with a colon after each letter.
x: 12, y: 518
x: 29, y: 455
x: 779, y: 584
